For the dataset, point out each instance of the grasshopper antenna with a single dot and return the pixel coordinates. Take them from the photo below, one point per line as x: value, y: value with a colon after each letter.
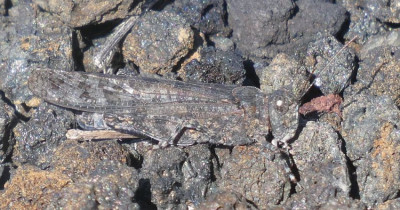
x: 328, y: 64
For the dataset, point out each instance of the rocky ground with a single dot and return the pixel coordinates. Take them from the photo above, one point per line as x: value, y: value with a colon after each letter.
x: 346, y: 153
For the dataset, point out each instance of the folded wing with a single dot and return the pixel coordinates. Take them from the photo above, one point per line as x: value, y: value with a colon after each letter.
x: 110, y: 93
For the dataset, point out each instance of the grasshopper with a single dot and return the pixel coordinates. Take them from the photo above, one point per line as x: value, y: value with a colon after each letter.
x: 174, y: 112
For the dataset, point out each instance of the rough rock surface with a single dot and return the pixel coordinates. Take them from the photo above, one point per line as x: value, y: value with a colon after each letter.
x: 367, y: 19
x: 267, y: 23
x: 281, y: 26
x: 159, y: 42
x: 206, y: 16
x: 255, y: 173
x: 278, y: 74
x: 41, y: 135
x: 322, y: 164
x: 371, y: 132
x: 30, y: 42
x: 333, y: 69
x: 81, y: 13
x: 379, y: 72
x: 215, y: 66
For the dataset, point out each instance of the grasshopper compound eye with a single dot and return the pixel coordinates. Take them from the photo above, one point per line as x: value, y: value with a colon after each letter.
x: 280, y: 103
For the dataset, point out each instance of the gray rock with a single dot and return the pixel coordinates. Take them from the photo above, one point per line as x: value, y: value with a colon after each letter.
x: 254, y: 173
x: 388, y: 39
x: 332, y: 64
x: 3, y: 7
x: 281, y: 26
x: 391, y: 204
x: 215, y: 66
x: 342, y: 203
x: 313, y: 17
x: 81, y: 13
x: 171, y: 177
x: 383, y: 10
x: 222, y: 43
x: 41, y: 135
x: 207, y: 16
x: 111, y: 185
x: 379, y: 69
x: 80, y: 176
x: 225, y: 200
x: 363, y: 23
x: 257, y: 24
x: 31, y: 187
x: 285, y: 71
x: 100, y: 174
x: 321, y: 165
x: 158, y: 42
x: 6, y: 142
x: 29, y: 42
x: 371, y: 131
x: 304, y: 24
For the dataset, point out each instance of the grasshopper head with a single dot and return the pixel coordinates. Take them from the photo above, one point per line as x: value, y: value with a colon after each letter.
x: 283, y: 114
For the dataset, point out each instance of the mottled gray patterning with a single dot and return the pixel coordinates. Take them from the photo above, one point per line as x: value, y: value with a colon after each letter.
x: 174, y: 112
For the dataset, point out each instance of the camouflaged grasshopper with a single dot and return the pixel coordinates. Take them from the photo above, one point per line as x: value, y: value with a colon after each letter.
x: 174, y: 112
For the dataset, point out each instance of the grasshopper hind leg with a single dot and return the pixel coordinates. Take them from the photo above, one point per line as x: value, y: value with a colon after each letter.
x: 167, y: 131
